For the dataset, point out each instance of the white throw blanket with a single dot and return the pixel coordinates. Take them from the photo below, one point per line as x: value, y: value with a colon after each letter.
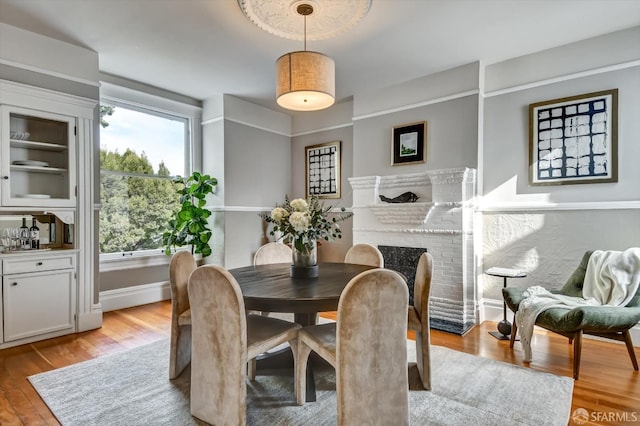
x: 612, y: 279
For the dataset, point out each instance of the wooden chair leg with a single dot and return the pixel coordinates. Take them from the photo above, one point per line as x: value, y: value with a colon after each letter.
x: 514, y: 330
x: 577, y: 351
x: 300, y: 377
x: 251, y: 369
x: 632, y: 353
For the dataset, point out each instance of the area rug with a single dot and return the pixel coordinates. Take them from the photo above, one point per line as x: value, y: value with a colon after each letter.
x: 132, y: 388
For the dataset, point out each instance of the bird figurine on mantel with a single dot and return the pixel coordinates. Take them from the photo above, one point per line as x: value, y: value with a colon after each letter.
x: 407, y: 197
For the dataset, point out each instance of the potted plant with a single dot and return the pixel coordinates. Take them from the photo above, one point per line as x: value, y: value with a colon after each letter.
x: 190, y: 224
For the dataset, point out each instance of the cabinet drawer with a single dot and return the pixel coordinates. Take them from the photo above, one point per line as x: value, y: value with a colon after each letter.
x: 35, y: 264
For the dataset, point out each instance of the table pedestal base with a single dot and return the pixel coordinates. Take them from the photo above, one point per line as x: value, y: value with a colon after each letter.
x: 280, y: 363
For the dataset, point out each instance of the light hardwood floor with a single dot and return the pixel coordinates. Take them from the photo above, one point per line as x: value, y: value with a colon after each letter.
x: 608, y: 388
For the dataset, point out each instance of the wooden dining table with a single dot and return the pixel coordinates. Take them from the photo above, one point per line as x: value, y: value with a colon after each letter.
x: 270, y: 288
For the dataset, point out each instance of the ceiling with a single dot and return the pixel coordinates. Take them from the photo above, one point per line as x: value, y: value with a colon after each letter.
x: 200, y: 48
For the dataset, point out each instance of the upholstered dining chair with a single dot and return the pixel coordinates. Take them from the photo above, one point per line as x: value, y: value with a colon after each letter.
x: 181, y: 266
x: 273, y: 252
x: 223, y: 339
x: 368, y: 348
x: 611, y: 322
x: 364, y: 254
x: 267, y: 254
x: 418, y: 318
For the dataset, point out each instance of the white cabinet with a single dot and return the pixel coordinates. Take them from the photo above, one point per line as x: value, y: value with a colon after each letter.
x: 38, y: 304
x: 48, y: 165
x: 37, y: 158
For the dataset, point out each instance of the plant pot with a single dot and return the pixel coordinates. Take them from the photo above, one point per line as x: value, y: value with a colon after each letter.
x: 305, y: 261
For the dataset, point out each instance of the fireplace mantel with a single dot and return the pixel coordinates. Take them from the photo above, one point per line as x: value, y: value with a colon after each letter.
x: 440, y: 221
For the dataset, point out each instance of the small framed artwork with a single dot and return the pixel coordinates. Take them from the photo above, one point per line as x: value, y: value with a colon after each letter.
x: 409, y: 143
x: 323, y: 170
x: 574, y: 140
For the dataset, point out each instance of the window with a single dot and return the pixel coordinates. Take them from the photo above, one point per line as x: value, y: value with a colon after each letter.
x: 141, y: 150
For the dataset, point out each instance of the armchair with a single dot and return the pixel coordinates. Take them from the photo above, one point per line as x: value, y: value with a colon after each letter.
x: 611, y: 322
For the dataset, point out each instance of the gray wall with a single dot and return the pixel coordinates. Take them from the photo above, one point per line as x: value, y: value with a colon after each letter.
x: 257, y: 175
x: 506, y: 141
x: 248, y: 149
x: 336, y: 250
x: 257, y: 166
x: 452, y: 134
x: 545, y: 230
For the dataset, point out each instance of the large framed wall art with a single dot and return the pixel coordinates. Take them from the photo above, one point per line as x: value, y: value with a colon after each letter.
x: 323, y: 170
x: 409, y: 143
x: 574, y: 140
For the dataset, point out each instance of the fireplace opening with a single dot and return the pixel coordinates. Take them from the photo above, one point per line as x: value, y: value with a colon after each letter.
x: 403, y: 260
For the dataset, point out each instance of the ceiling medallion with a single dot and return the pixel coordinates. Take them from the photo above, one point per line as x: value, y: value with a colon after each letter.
x: 281, y: 18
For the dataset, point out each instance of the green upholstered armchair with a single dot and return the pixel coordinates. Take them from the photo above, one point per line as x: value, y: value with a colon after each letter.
x: 612, y: 322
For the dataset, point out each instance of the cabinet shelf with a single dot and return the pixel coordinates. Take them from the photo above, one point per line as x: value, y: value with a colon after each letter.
x: 38, y: 169
x: 44, y: 146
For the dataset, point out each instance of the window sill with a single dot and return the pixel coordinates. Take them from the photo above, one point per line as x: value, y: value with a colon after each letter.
x: 123, y: 261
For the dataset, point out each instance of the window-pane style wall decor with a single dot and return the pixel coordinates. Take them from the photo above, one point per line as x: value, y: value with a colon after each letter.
x: 574, y: 140
x: 323, y: 170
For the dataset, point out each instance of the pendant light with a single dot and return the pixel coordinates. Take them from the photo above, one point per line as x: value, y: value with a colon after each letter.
x: 305, y: 80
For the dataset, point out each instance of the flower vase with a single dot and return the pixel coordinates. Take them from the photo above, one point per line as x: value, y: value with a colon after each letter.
x: 304, y: 260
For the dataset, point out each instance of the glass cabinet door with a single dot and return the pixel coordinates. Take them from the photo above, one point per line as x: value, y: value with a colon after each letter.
x: 38, y: 158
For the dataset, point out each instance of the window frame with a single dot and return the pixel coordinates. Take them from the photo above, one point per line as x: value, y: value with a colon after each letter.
x: 165, y: 107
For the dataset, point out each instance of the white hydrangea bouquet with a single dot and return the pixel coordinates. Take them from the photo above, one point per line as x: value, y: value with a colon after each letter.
x: 304, y: 222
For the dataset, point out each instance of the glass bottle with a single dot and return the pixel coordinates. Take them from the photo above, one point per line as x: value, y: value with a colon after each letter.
x: 24, y: 235
x: 34, y: 234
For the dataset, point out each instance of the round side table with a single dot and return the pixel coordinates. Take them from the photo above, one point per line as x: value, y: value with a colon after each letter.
x: 504, y: 326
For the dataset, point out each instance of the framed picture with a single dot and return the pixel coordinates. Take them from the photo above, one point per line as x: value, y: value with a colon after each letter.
x: 409, y: 143
x: 574, y: 140
x: 323, y: 169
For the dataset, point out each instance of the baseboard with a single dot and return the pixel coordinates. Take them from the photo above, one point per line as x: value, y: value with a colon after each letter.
x: 491, y: 310
x: 121, y: 298
x: 91, y: 320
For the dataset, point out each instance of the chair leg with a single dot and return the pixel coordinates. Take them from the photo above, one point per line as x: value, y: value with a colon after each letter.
x: 300, y: 365
x: 577, y: 351
x: 251, y: 369
x: 514, y: 330
x: 632, y: 353
x: 180, y: 351
x: 423, y: 357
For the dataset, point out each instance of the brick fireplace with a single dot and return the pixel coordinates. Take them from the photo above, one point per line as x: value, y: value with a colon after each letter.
x: 440, y: 221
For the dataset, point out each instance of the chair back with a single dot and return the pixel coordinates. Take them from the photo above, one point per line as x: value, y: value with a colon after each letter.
x: 364, y: 254
x: 421, y: 293
x: 371, y: 350
x: 573, y: 286
x: 181, y: 266
x: 272, y: 253
x: 422, y: 286
x: 219, y: 347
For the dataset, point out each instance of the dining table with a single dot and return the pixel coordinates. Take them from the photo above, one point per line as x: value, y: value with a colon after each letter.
x: 270, y: 288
